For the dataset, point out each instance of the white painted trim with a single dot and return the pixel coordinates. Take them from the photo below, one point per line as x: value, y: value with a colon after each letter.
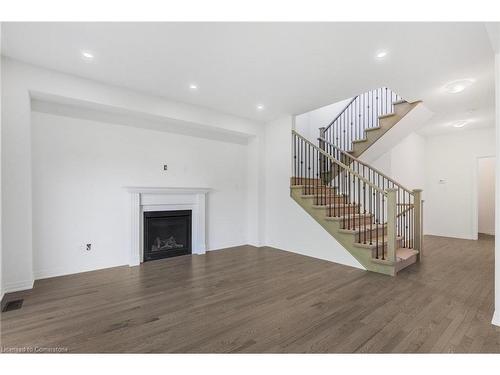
x: 166, y: 190
x: 475, y: 194
x: 167, y: 199
x: 18, y: 286
x: 46, y: 273
x: 496, y: 318
x: 460, y: 237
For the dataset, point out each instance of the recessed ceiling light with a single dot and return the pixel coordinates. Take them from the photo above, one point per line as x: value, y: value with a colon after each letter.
x: 260, y: 107
x: 459, y: 124
x: 457, y: 86
x: 380, y: 55
x: 87, y: 56
x: 193, y: 86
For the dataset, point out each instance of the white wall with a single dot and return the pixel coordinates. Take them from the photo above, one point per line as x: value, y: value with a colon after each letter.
x: 486, y: 195
x: 308, y: 124
x: 1, y: 254
x: 450, y: 207
x: 18, y: 81
x: 496, y: 316
x: 288, y: 226
x: 405, y: 162
x: 80, y: 168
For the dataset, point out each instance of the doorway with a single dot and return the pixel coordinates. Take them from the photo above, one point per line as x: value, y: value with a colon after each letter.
x: 486, y: 196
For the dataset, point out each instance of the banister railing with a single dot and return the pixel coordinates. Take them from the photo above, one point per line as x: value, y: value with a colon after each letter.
x: 353, y: 199
x: 325, y: 154
x: 360, y: 114
x: 348, y: 159
x: 381, y: 211
x: 405, y: 199
x: 340, y: 113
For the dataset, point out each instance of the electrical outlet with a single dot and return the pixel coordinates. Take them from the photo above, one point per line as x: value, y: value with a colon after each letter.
x: 88, y: 247
x: 165, y: 167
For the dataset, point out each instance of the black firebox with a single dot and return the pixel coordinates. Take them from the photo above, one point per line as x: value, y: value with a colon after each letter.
x: 167, y: 234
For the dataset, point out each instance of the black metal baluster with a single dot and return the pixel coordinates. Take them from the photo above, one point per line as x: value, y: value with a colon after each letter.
x: 342, y: 207
x: 383, y: 242
x: 348, y: 199
x: 315, y: 176
x: 364, y: 212
x: 351, y: 129
x: 324, y: 169
x: 359, y: 207
x: 405, y: 220
x: 308, y: 181
x: 398, y: 211
x: 355, y: 136
x: 344, y: 132
x: 365, y: 123
x: 302, y: 147
x: 371, y: 211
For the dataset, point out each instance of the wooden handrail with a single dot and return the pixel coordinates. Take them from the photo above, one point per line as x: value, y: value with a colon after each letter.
x: 362, y: 113
x: 410, y: 207
x: 347, y: 106
x: 366, y: 165
x: 331, y: 158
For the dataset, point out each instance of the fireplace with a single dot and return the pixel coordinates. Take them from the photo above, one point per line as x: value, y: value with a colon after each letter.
x: 166, y: 234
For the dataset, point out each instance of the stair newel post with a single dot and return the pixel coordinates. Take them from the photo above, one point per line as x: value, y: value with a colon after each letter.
x: 391, y: 224
x: 418, y: 222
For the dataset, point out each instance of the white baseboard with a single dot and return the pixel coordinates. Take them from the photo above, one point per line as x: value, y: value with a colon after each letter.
x: 487, y: 233
x: 18, y: 286
x: 222, y: 246
x: 458, y: 236
x: 55, y: 272
x: 496, y: 318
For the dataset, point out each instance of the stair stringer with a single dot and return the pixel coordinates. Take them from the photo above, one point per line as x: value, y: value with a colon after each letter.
x: 347, y: 240
x: 385, y: 123
x: 410, y: 118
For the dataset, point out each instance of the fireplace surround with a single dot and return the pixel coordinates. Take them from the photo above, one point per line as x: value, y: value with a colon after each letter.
x: 153, y: 199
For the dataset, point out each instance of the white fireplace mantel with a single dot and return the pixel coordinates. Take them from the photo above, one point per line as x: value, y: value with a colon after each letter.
x: 146, y: 199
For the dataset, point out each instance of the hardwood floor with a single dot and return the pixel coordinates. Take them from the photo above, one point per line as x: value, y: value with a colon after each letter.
x: 266, y: 300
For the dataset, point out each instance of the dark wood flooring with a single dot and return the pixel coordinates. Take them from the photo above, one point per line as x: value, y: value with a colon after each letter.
x: 266, y: 301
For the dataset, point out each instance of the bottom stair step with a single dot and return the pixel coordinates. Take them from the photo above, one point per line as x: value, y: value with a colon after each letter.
x: 404, y: 258
x: 374, y: 243
x: 402, y: 254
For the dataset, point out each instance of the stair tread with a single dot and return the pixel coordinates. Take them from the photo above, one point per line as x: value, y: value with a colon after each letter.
x: 402, y: 255
x: 336, y: 205
x: 323, y: 195
x: 360, y: 140
x: 387, y: 115
x: 313, y: 186
x: 363, y: 228
x: 373, y: 128
x: 348, y: 216
x: 374, y: 243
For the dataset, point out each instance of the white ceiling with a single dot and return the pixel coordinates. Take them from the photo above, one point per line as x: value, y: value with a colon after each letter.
x: 290, y: 68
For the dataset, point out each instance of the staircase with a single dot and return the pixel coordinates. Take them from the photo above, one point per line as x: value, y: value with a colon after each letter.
x: 374, y: 217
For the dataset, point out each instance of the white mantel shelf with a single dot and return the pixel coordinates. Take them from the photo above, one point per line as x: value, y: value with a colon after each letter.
x: 157, y: 198
x: 166, y: 190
